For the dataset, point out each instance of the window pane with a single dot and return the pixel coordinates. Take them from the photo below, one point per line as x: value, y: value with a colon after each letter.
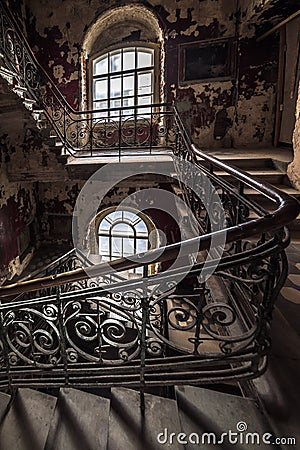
x: 141, y: 245
x: 100, y: 89
x: 115, y: 87
x: 128, y: 247
x: 104, y: 225
x: 117, y: 247
x: 114, y: 216
x: 122, y: 229
x: 128, y: 101
x: 115, y: 61
x: 144, y: 83
x: 103, y: 245
x: 101, y: 65
x: 99, y: 106
x: 145, y: 100
x: 128, y: 59
x: 141, y: 227
x: 115, y: 104
x: 131, y: 216
x: 144, y: 58
x: 128, y: 86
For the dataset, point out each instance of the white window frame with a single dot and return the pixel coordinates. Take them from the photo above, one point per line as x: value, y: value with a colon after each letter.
x: 136, y: 97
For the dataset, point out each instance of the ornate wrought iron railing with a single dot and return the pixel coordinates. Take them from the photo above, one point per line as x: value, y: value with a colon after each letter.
x: 70, y: 261
x: 148, y: 331
x: 143, y: 129
x: 152, y: 329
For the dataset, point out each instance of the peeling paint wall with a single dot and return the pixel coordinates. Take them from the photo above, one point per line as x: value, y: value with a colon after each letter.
x: 25, y: 160
x: 57, y: 31
x: 236, y: 112
x: 17, y: 211
x: 260, y: 15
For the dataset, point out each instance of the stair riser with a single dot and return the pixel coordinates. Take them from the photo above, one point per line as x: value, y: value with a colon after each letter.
x: 248, y: 164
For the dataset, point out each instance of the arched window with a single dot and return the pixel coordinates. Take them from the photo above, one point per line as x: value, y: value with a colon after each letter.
x: 123, y: 77
x: 123, y: 233
x: 123, y: 60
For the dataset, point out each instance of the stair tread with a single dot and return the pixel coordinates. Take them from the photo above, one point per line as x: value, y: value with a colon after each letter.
x: 207, y: 411
x: 254, y: 172
x: 27, y: 422
x: 80, y: 422
x: 128, y: 431
x: 287, y: 189
x: 278, y: 154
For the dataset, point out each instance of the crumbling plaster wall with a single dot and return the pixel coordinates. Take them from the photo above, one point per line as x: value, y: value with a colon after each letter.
x: 57, y: 29
x: 26, y: 161
x: 294, y: 167
x: 17, y: 211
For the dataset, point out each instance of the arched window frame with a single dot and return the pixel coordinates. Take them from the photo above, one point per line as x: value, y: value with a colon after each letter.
x: 154, y: 69
x: 152, y: 234
x: 94, y: 41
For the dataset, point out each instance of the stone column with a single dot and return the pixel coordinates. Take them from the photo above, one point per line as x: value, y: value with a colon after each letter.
x: 294, y: 167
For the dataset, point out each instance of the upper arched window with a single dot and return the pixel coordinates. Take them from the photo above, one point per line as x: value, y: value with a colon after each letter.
x: 123, y: 77
x: 123, y: 60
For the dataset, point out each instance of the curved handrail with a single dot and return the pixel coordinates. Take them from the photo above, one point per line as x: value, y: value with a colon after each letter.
x: 287, y: 210
x: 287, y: 207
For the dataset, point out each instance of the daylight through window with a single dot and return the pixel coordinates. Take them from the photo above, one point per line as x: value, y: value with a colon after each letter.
x: 123, y: 78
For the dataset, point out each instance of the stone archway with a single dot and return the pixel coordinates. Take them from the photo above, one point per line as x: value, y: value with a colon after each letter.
x: 118, y: 25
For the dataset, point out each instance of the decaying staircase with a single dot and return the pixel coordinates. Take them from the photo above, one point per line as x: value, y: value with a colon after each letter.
x: 267, y: 165
x: 78, y: 420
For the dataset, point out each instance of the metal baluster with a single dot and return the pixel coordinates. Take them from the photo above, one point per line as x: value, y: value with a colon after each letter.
x: 62, y: 335
x: 99, y: 334
x: 91, y: 134
x: 199, y: 319
x: 151, y: 131
x: 238, y: 245
x: 5, y: 350
x: 145, y: 314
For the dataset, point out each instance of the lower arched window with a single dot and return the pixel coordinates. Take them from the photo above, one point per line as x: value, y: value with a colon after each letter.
x: 123, y: 233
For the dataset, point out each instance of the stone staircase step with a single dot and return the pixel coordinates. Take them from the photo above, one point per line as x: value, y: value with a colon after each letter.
x: 207, y: 411
x: 7, y: 74
x: 246, y: 163
x: 129, y: 430
x: 270, y: 176
x: 284, y: 188
x: 27, y: 423
x: 275, y: 154
x: 4, y: 402
x: 28, y: 103
x: 80, y: 422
